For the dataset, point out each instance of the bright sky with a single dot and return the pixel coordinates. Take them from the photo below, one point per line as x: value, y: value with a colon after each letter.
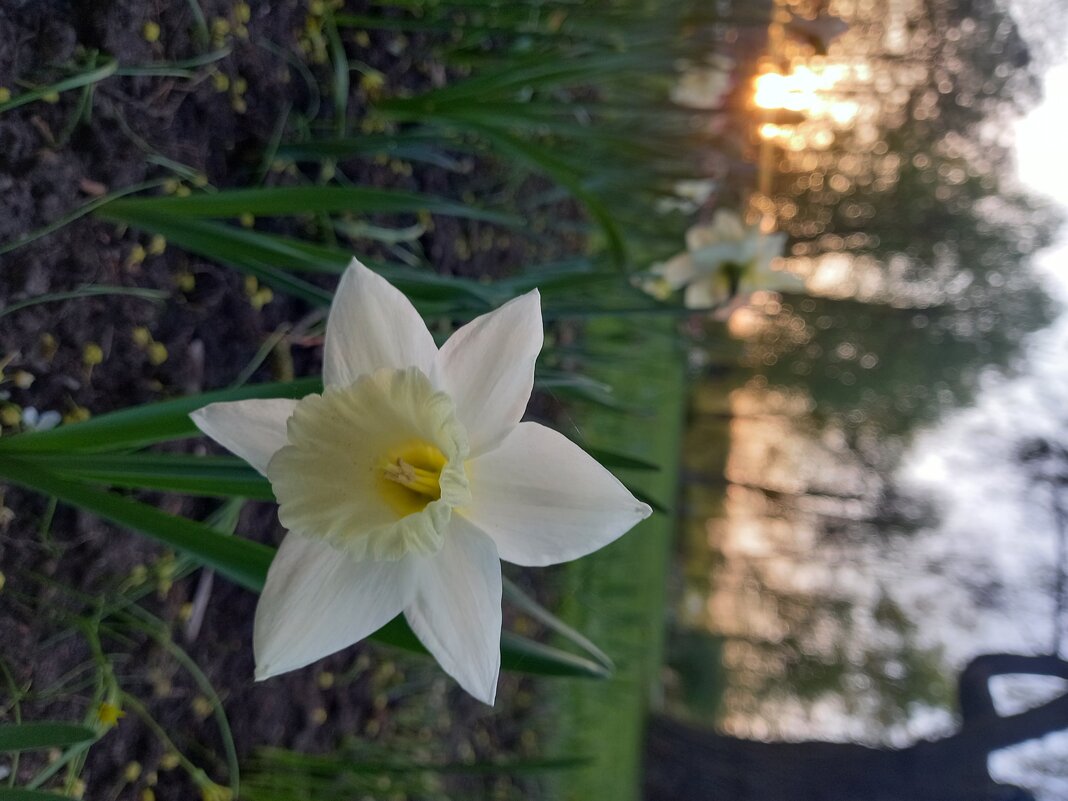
x: 1040, y: 137
x: 1043, y: 162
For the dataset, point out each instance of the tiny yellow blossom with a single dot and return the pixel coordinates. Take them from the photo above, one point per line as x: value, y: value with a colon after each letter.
x: 238, y: 104
x: 363, y: 39
x: 220, y: 27
x: 261, y: 298
x: 77, y: 789
x: 157, y: 353
x: 23, y: 379
x: 169, y: 761
x: 242, y: 12
x: 151, y: 32
x: 210, y: 791
x: 77, y: 415
x: 5, y: 94
x: 170, y: 186
x: 318, y: 716
x: 3, y: 580
x: 148, y: 795
x: 325, y: 680
x: 200, y: 180
x: 92, y: 355
x: 132, y: 771
x: 141, y: 336
x: 247, y: 220
x: 201, y: 707
x: 49, y: 346
x: 252, y: 285
x: 240, y: 85
x: 136, y: 256
x: 220, y: 81
x: 108, y: 714
x: 10, y: 415
x: 50, y: 97
x: 156, y: 245
x: 186, y: 281
x: 183, y: 191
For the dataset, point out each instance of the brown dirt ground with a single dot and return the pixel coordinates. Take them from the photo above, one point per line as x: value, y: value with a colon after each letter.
x: 401, y: 703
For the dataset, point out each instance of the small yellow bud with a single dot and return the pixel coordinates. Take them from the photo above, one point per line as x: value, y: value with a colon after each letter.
x: 169, y: 761
x: 151, y: 779
x: 240, y: 86
x: 156, y: 245
x: 148, y: 795
x: 92, y: 355
x: 252, y: 285
x: 220, y: 81
x: 201, y: 707
x: 316, y: 7
x: 186, y: 281
x: 318, y: 716
x: 210, y: 791
x: 141, y: 336
x: 363, y: 39
x: 50, y: 97
x: 137, y: 255
x: 242, y: 12
x: 5, y: 94
x: 241, y: 31
x: 220, y: 27
x: 108, y: 714
x: 183, y: 191
x: 150, y: 32
x: 261, y: 298
x: 200, y: 180
x: 77, y: 788
x: 185, y: 612
x: 23, y: 379
x: 170, y: 186
x: 325, y: 680
x: 10, y: 415
x: 3, y: 581
x: 246, y: 220
x: 132, y: 771
x: 78, y: 414
x: 49, y: 346
x: 238, y: 104
x: 157, y: 353
x: 138, y: 574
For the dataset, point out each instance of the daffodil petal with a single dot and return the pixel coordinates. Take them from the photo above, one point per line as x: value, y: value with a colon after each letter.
x: 544, y: 500
x: 457, y: 609
x: 677, y: 271
x: 487, y: 368
x: 317, y: 600
x: 704, y: 293
x: 372, y: 325
x: 252, y: 429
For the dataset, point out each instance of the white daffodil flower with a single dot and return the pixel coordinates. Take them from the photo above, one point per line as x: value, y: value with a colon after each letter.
x: 408, y: 479
x: 704, y: 86
x: 720, y: 259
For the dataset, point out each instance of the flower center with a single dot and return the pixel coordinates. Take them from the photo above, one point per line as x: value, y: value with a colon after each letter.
x: 375, y: 468
x: 411, y: 477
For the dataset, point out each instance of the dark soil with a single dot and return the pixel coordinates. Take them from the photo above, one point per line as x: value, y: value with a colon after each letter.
x: 57, y: 567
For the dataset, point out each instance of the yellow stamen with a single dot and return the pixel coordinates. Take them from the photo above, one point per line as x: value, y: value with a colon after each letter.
x: 425, y: 482
x: 411, y: 477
